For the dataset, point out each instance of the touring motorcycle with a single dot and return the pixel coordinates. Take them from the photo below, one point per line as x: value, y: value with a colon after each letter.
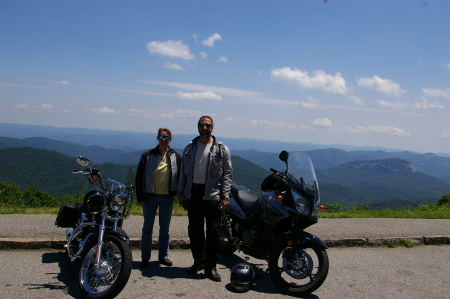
x: 95, y: 238
x: 272, y: 226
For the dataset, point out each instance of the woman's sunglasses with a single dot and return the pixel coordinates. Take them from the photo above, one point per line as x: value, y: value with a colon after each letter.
x: 161, y: 137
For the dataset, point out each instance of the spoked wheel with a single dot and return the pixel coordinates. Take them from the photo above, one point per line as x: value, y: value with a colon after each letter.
x: 109, y: 278
x: 298, y: 272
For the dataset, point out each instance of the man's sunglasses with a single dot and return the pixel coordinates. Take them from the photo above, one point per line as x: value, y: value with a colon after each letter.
x: 204, y: 125
x: 161, y: 137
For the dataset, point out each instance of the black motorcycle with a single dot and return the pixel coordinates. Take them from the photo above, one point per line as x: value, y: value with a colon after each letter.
x: 95, y: 237
x: 271, y: 226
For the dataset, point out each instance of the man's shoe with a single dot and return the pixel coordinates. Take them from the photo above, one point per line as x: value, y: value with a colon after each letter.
x: 212, y: 274
x: 165, y: 261
x: 195, y: 268
x: 145, y: 263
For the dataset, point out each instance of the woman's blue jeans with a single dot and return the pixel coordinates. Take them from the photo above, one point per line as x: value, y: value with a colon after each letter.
x: 165, y: 204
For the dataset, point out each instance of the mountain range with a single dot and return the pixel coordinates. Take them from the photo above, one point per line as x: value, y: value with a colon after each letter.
x: 379, y: 178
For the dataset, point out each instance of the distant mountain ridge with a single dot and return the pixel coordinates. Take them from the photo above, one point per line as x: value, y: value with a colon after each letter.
x: 124, y: 140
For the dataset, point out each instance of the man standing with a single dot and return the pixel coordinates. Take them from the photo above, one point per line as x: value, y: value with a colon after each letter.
x: 204, y: 188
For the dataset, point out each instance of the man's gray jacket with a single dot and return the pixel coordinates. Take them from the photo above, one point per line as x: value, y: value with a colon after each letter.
x: 218, y: 174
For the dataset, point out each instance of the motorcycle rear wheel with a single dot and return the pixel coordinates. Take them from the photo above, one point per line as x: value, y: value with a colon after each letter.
x: 298, y: 273
x: 108, y: 280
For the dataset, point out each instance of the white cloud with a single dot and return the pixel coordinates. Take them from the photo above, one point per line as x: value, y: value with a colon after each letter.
x: 173, y: 66
x: 437, y: 93
x: 44, y: 107
x: 356, y: 100
x: 215, y: 89
x: 418, y: 104
x: 203, y: 55
x: 206, y: 95
x: 64, y: 82
x: 170, y: 48
x: 424, y: 104
x: 322, y: 123
x: 21, y: 106
x: 104, y: 110
x: 209, y: 42
x: 386, y: 86
x: 239, y: 122
x: 392, y: 105
x: 161, y: 113
x: 388, y: 130
x: 448, y: 66
x: 222, y: 59
x: 179, y: 113
x: 310, y: 105
x: 445, y: 134
x: 319, y: 80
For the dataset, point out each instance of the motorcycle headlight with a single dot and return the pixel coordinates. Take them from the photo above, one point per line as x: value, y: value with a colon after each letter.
x: 301, y: 204
x: 116, y: 203
x: 96, y: 202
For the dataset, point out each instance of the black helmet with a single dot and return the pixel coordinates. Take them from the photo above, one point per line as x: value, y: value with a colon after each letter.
x: 242, y: 277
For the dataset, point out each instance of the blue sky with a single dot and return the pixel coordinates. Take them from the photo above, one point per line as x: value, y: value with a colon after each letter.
x: 363, y: 73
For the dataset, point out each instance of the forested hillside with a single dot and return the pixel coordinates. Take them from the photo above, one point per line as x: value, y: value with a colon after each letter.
x: 387, y: 183
x: 381, y: 183
x: 51, y: 172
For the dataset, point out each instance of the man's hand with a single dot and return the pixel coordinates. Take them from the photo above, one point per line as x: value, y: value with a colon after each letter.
x: 181, y: 200
x: 142, y: 203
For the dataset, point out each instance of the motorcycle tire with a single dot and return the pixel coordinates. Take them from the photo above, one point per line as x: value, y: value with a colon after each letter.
x: 300, y: 273
x: 116, y: 264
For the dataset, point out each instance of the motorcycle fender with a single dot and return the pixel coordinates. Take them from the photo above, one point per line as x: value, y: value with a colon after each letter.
x: 304, y: 237
x: 120, y: 233
x: 234, y: 208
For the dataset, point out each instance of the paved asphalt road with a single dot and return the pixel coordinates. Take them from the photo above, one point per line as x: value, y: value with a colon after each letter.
x: 355, y: 272
x: 43, y: 226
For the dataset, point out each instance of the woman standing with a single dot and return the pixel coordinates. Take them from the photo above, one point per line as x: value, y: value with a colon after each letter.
x: 156, y: 185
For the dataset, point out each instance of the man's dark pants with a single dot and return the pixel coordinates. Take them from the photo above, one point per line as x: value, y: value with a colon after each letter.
x: 203, y: 249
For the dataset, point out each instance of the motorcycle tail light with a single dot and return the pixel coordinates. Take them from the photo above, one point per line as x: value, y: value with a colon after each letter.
x: 280, y: 198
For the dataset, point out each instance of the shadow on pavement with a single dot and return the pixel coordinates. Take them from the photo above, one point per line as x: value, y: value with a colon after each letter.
x: 67, y: 275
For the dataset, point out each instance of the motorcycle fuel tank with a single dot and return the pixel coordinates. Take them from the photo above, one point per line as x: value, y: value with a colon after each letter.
x: 274, y: 210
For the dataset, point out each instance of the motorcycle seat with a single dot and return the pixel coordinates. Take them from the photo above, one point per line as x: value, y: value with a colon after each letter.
x: 244, y: 197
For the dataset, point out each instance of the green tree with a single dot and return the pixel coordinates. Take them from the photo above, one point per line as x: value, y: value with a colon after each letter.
x: 10, y: 195
x: 36, y: 198
x: 444, y: 200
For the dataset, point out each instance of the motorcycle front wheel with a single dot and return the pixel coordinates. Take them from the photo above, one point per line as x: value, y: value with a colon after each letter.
x: 109, y: 278
x: 298, y: 272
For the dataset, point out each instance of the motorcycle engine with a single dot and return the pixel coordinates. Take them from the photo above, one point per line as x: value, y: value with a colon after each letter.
x: 248, y: 237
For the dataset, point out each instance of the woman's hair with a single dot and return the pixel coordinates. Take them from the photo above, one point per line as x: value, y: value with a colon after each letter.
x: 160, y: 130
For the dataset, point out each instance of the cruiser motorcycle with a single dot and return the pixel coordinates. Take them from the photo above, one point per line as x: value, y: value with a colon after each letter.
x: 271, y: 226
x: 95, y: 237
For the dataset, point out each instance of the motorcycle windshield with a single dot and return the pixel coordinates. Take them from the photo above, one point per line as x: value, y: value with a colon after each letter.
x: 300, y: 167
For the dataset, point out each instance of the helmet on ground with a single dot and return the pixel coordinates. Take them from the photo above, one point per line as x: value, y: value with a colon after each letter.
x: 241, y: 277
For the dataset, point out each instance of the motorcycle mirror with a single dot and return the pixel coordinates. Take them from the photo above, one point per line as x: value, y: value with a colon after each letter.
x: 284, y: 156
x: 84, y: 162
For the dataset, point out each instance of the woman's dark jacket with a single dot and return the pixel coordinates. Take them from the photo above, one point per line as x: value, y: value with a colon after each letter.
x: 145, y: 174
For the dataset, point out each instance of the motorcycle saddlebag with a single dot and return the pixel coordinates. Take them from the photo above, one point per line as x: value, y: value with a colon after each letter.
x: 68, y: 215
